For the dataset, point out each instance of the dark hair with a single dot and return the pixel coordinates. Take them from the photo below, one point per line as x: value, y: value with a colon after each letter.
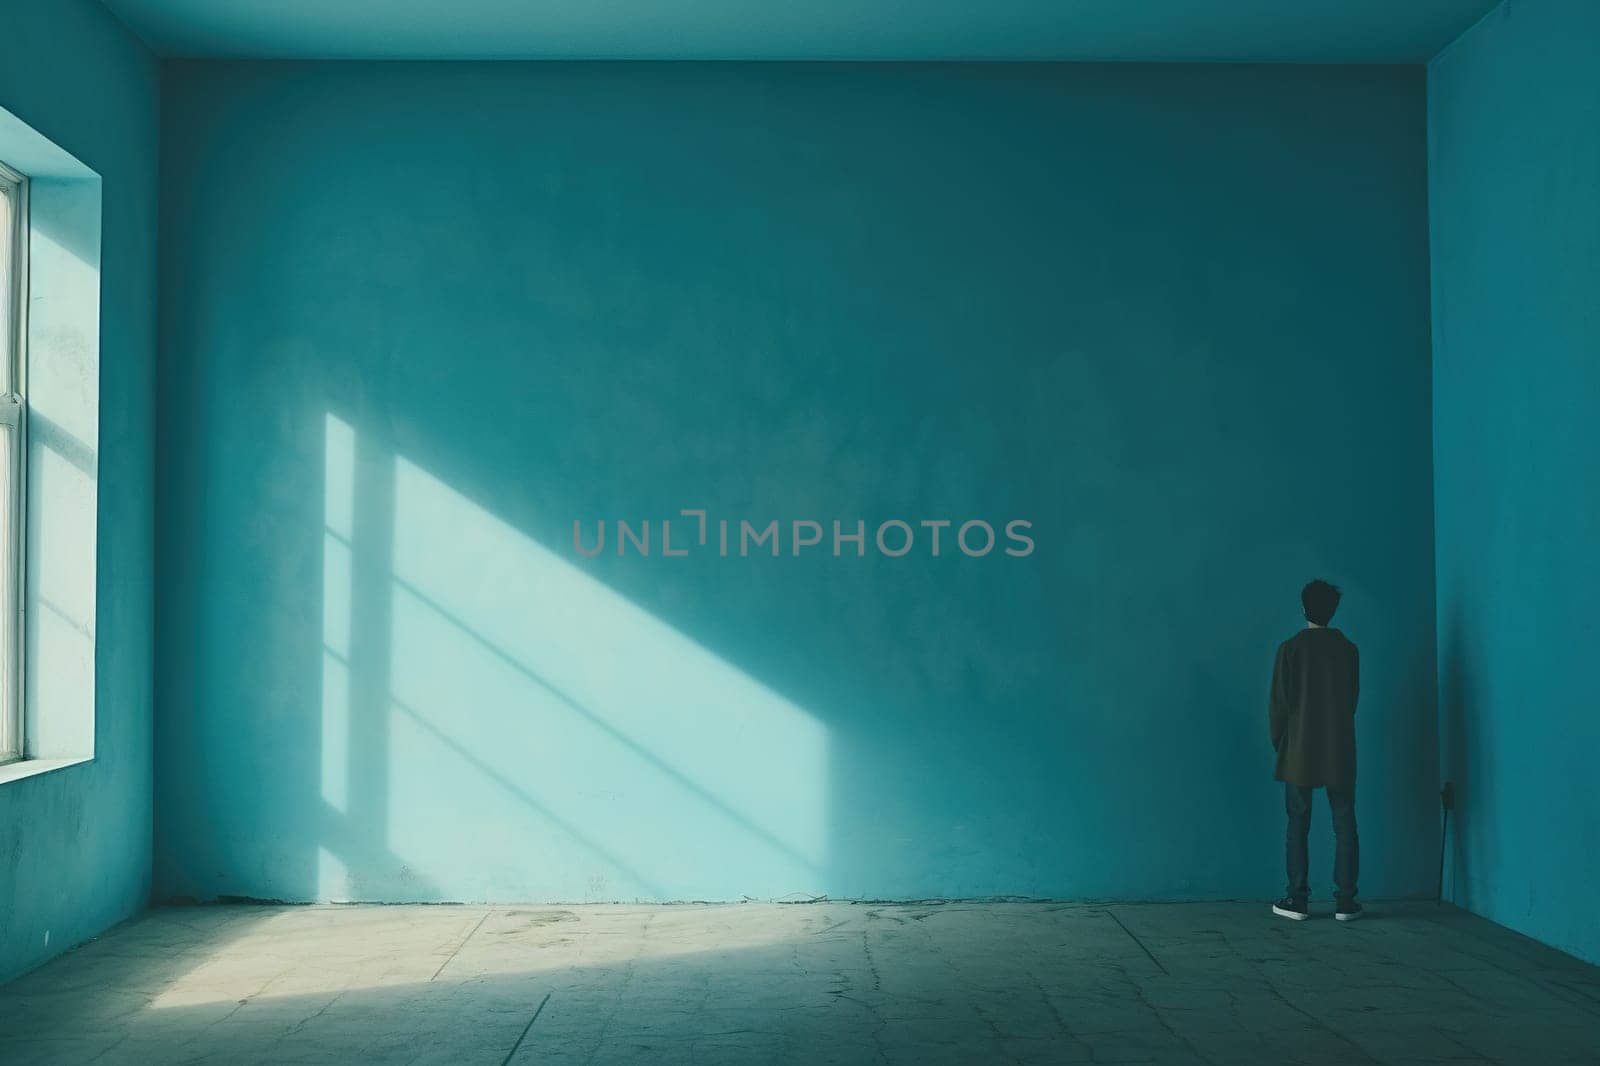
x: 1320, y: 600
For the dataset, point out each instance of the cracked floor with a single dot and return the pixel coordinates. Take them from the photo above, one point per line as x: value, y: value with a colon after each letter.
x: 1217, y: 983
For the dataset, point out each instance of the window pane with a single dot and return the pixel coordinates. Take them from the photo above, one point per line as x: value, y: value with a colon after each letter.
x: 8, y: 614
x: 9, y: 698
x: 6, y: 234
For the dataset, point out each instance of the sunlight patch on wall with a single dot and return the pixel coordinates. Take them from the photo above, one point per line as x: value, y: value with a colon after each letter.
x: 61, y: 606
x: 64, y: 384
x: 333, y: 878
x: 544, y: 738
x: 515, y: 672
x: 338, y: 503
x: 63, y: 396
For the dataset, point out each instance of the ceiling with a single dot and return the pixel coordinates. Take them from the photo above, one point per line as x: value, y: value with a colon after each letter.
x: 1314, y: 31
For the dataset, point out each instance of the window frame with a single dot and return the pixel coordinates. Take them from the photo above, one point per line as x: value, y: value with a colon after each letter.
x: 14, y: 414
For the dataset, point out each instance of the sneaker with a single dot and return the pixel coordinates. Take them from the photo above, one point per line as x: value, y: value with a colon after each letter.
x: 1348, y: 912
x: 1288, y: 908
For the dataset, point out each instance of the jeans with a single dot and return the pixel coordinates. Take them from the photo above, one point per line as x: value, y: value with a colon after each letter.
x: 1347, y: 847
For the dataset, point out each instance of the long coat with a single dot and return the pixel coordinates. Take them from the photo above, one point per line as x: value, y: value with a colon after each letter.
x: 1312, y: 708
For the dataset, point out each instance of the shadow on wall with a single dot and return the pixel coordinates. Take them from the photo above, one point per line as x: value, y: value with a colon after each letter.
x: 1464, y: 734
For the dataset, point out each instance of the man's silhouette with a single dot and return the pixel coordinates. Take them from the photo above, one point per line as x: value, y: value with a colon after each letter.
x: 1312, y: 714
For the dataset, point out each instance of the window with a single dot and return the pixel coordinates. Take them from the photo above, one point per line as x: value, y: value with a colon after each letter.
x: 13, y: 424
x: 50, y: 212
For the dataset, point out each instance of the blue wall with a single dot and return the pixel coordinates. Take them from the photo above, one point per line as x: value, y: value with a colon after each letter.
x: 75, y: 844
x: 1306, y: 31
x: 1514, y: 107
x: 419, y: 318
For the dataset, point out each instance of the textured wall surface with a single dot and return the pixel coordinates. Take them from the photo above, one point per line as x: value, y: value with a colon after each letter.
x: 75, y: 843
x: 1515, y: 169
x: 418, y: 319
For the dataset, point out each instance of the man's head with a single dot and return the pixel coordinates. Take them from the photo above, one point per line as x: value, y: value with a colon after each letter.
x: 1320, y: 600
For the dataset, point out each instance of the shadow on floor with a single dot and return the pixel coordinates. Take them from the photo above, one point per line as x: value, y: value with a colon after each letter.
x: 1219, y: 983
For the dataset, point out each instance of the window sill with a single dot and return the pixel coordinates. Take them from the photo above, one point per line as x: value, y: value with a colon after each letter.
x: 16, y: 771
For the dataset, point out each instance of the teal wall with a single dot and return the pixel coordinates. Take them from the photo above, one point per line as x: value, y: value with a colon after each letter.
x: 1305, y: 31
x: 1514, y: 107
x: 419, y: 318
x: 75, y: 843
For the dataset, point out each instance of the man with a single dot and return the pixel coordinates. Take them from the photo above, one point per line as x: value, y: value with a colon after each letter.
x: 1312, y: 714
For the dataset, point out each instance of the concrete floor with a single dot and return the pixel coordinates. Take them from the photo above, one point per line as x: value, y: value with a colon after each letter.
x: 827, y: 982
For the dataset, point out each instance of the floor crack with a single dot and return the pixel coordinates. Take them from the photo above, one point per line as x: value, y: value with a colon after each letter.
x: 537, y: 1011
x: 461, y: 945
x: 1136, y: 940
